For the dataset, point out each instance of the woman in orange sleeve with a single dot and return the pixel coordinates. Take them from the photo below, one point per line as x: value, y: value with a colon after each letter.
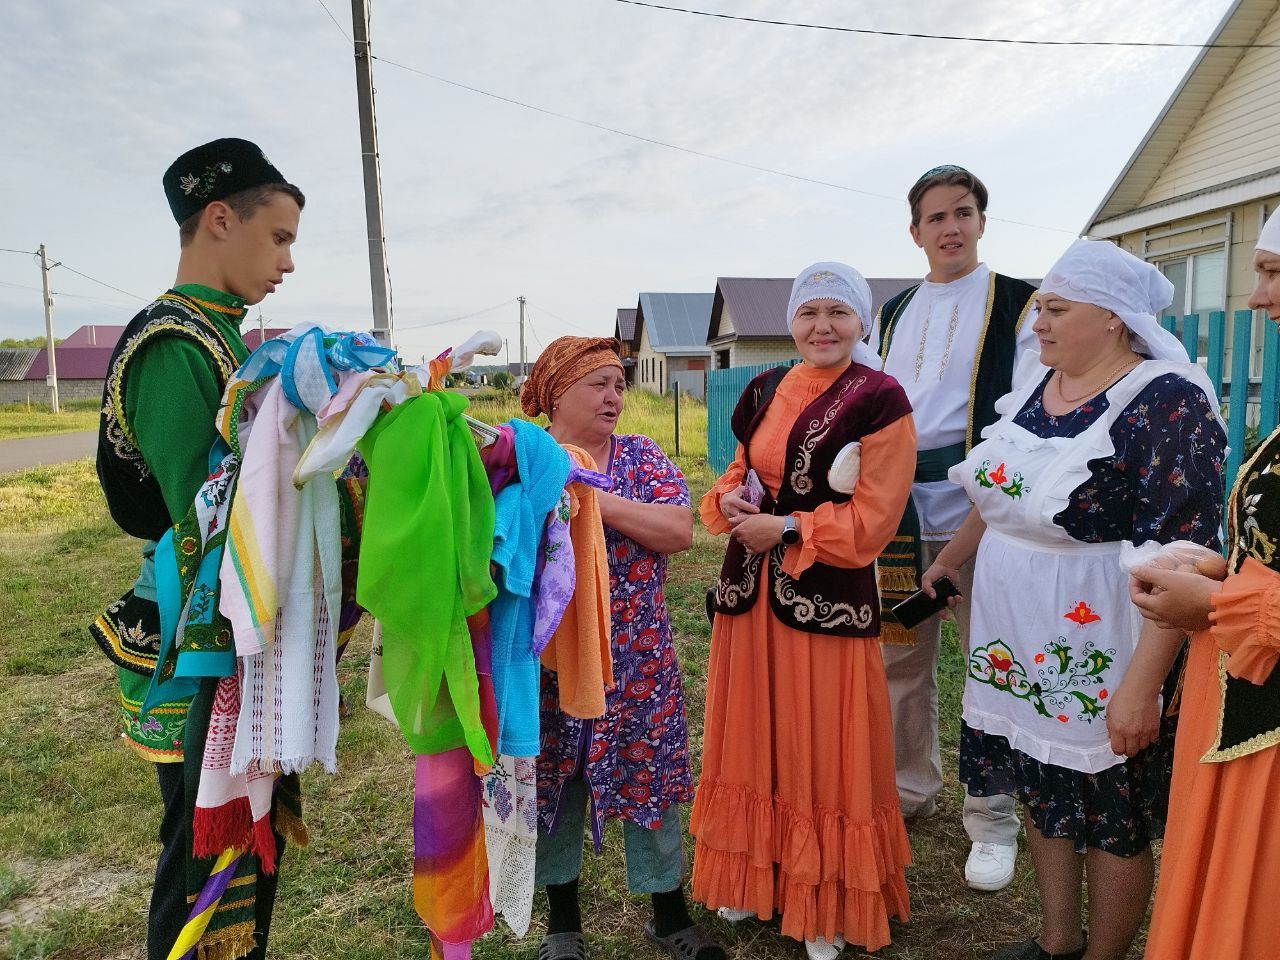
x: 797, y: 810
x: 1220, y: 868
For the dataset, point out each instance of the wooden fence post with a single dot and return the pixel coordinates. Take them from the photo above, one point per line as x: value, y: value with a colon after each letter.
x: 1238, y: 408
x: 1270, y: 349
x: 677, y: 391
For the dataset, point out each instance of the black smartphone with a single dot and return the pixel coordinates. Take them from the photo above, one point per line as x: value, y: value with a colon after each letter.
x: 919, y: 607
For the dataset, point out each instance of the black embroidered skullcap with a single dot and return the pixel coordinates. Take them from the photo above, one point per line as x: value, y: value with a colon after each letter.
x: 214, y: 171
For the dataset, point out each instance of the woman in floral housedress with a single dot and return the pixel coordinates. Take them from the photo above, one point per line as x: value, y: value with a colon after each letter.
x: 1066, y: 690
x: 632, y: 763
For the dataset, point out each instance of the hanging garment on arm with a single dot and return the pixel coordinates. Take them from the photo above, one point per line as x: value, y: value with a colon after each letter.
x: 522, y: 508
x: 424, y: 568
x: 579, y: 650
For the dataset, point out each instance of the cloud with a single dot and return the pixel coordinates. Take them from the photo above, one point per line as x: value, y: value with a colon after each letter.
x: 485, y: 200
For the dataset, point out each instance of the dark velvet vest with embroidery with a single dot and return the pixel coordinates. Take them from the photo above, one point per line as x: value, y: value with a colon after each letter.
x: 132, y: 493
x: 1250, y: 719
x: 823, y: 599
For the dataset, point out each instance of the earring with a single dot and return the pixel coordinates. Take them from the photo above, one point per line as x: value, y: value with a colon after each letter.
x: 1110, y: 329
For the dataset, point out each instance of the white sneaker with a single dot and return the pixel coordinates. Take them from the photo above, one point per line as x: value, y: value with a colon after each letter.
x: 823, y: 949
x: 732, y: 915
x: 990, y: 865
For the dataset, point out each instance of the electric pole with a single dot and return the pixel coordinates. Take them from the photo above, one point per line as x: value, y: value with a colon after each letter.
x: 372, y: 175
x: 522, y: 366
x: 51, y: 377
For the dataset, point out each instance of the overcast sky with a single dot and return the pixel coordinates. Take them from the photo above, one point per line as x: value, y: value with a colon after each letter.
x: 486, y: 200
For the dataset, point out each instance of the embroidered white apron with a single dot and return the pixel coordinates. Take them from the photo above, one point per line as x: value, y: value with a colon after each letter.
x: 1052, y: 627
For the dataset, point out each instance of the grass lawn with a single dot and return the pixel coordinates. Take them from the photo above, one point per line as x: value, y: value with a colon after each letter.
x: 79, y: 813
x: 16, y: 420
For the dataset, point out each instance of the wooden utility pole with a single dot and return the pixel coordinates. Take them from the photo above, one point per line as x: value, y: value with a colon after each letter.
x: 51, y: 377
x: 372, y: 175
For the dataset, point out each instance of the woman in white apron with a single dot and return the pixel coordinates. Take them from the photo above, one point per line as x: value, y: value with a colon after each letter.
x: 1119, y: 439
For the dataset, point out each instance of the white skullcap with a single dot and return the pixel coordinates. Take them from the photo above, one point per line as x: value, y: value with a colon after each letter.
x: 840, y: 282
x: 1269, y: 240
x: 1099, y: 272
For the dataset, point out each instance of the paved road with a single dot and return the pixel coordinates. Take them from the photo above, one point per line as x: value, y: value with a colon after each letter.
x: 27, y: 452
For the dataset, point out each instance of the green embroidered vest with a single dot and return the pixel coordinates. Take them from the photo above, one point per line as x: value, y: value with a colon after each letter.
x: 132, y: 492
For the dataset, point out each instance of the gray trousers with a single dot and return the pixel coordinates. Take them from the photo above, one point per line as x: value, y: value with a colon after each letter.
x: 912, y: 673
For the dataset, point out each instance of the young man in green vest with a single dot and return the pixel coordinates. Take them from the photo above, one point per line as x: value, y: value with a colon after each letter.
x: 238, y: 219
x: 952, y: 342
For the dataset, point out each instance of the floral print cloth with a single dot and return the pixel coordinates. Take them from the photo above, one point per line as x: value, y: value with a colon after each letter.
x: 1169, y: 450
x: 1161, y: 483
x: 556, y: 577
x: 635, y: 758
x: 1119, y: 810
x: 509, y: 797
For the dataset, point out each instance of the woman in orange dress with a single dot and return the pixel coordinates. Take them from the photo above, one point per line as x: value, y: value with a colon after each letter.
x: 1220, y: 869
x: 796, y: 810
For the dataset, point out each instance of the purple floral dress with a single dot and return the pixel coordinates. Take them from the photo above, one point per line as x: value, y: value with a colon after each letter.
x: 635, y: 758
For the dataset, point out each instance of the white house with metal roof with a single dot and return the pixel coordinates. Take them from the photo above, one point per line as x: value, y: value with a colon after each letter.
x: 1193, y: 197
x: 669, y: 341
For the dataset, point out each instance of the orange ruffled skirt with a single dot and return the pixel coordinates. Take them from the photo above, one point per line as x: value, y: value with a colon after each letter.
x: 1220, y: 865
x: 797, y: 808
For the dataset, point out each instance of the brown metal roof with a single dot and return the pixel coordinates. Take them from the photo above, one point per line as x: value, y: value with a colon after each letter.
x: 758, y: 305
x: 625, y: 325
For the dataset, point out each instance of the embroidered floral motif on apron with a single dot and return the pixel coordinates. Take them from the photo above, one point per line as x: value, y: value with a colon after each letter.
x: 1052, y: 628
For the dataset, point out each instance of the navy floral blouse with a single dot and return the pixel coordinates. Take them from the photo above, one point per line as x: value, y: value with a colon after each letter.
x: 1164, y: 481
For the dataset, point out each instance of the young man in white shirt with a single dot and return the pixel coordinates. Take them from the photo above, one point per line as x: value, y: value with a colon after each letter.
x: 952, y: 341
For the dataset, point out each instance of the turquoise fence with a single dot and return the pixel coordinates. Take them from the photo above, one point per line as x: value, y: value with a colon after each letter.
x: 1263, y: 395
x: 724, y: 387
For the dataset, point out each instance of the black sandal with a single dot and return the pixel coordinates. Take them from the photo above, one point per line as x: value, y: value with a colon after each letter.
x: 1031, y: 950
x: 684, y: 944
x: 563, y: 946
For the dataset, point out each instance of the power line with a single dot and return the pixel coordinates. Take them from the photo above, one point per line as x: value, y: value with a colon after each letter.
x: 59, y: 293
x: 32, y: 253
x: 465, y: 316
x: 865, y: 31
x: 567, y: 323
x: 529, y: 319
x: 689, y: 150
x: 102, y: 283
x: 344, y: 33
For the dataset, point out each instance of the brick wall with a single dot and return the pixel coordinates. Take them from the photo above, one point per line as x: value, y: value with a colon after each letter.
x: 749, y: 352
x: 20, y: 391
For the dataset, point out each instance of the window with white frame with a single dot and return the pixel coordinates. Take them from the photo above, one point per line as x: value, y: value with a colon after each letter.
x: 1199, y: 287
x: 1194, y: 258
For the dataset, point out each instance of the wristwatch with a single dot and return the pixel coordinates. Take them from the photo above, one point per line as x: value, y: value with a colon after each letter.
x: 790, y: 531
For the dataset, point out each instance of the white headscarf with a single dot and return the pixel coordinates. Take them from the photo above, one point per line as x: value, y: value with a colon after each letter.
x: 1270, y: 237
x: 1099, y: 272
x: 836, y: 281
